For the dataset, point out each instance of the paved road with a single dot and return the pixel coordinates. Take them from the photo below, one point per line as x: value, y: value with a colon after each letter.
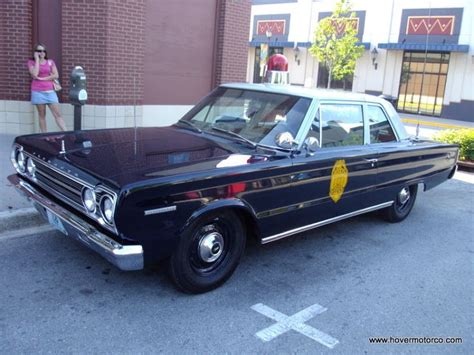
x: 412, y: 279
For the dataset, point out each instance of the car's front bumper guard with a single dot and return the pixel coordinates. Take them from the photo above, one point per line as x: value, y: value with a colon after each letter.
x: 125, y: 257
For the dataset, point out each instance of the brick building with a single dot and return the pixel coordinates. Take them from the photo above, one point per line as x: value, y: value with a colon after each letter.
x: 146, y: 61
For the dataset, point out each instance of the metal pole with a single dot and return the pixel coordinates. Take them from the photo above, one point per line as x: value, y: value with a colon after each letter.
x: 77, y: 117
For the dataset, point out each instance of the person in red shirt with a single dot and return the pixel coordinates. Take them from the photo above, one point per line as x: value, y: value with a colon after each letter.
x: 43, y: 71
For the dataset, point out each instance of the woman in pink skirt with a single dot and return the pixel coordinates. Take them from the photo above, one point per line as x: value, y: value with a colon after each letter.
x: 44, y: 71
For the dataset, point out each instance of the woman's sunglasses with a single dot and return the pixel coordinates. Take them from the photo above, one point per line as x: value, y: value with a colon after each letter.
x: 40, y: 51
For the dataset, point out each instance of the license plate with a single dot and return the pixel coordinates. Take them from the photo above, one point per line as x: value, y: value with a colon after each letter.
x: 56, y: 222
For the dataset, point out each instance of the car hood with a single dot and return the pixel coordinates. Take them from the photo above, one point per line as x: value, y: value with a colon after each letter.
x: 130, y: 155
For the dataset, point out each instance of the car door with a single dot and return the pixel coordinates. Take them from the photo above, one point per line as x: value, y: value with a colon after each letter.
x: 393, y: 157
x: 337, y: 179
x: 401, y: 162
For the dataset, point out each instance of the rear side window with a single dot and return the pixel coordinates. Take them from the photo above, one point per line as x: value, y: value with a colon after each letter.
x: 380, y: 129
x: 342, y: 125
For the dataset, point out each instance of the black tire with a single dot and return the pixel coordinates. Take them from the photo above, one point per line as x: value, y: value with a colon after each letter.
x: 401, y: 208
x: 208, y: 252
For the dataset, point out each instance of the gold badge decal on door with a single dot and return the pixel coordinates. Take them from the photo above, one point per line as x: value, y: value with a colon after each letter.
x: 339, y: 178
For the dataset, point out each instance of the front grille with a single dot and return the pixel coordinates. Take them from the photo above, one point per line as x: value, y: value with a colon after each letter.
x: 65, y: 187
x: 58, y: 183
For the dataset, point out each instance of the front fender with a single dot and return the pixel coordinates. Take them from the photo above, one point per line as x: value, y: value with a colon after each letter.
x: 235, y: 204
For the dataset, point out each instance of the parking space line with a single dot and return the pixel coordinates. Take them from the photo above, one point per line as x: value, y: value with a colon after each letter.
x: 295, y: 322
x: 26, y: 232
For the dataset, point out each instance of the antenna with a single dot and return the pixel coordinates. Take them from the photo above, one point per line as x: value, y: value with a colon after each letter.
x: 135, y: 115
x: 134, y: 102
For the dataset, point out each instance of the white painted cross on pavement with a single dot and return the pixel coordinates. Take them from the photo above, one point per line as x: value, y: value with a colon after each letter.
x: 295, y: 322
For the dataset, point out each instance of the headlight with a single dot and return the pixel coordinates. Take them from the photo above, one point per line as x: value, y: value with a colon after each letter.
x: 88, y: 199
x: 31, y: 167
x: 107, y: 209
x: 21, y: 161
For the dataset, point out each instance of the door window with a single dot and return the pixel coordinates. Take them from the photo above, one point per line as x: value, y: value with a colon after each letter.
x: 380, y: 129
x: 342, y: 125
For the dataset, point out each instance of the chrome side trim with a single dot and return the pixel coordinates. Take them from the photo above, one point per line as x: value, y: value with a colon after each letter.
x: 125, y: 257
x: 275, y: 237
x: 160, y: 210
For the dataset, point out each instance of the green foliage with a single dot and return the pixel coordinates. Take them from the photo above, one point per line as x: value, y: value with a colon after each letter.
x: 337, y: 51
x: 463, y: 137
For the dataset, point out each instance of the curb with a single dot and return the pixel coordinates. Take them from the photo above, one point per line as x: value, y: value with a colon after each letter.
x: 20, y: 219
x: 466, y: 166
x: 432, y: 124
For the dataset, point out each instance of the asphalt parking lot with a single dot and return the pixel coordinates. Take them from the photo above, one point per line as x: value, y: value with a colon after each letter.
x: 324, y: 291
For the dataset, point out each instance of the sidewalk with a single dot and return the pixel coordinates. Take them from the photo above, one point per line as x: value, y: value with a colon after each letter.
x: 437, y: 122
x: 9, y: 198
x: 16, y: 212
x: 430, y: 125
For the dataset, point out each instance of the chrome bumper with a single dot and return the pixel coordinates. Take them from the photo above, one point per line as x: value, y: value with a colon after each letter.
x: 125, y: 257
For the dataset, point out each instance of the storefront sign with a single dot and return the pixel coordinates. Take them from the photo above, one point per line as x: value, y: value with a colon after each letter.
x: 276, y: 27
x: 432, y: 25
x: 341, y: 25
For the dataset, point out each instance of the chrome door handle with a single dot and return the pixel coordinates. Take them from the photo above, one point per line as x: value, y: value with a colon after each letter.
x: 372, y: 161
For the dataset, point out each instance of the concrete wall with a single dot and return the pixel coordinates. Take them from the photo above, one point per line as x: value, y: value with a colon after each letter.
x: 20, y: 117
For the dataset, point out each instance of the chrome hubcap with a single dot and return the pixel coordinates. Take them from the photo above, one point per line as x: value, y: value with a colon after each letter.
x: 211, y: 246
x: 404, y: 195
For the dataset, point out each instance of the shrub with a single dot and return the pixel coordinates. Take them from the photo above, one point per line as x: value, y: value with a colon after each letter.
x: 464, y: 137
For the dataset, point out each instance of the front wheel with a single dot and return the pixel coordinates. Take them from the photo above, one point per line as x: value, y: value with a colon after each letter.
x: 208, y: 252
x: 402, y: 205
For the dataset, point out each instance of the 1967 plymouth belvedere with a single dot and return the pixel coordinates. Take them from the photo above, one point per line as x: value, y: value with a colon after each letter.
x: 248, y: 160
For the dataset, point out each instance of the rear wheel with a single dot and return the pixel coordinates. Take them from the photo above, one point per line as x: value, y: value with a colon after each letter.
x: 208, y: 252
x: 402, y: 205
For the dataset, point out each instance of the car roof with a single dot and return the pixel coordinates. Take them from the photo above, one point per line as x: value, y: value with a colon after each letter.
x: 320, y: 94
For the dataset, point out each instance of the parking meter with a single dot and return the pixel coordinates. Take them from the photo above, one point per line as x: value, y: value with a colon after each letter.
x: 77, y: 94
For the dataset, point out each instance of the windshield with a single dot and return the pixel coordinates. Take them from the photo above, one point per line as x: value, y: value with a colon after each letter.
x: 256, y: 116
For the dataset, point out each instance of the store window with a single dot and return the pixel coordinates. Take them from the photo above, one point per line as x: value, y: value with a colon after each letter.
x: 423, y: 82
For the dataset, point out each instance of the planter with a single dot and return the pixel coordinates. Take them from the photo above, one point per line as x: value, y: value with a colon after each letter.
x: 466, y: 165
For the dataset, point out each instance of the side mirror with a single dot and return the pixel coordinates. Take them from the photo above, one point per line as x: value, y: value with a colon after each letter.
x: 285, y: 140
x: 311, y: 144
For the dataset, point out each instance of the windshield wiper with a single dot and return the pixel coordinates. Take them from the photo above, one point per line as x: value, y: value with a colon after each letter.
x: 271, y: 147
x: 190, y: 124
x: 236, y: 135
x: 248, y: 141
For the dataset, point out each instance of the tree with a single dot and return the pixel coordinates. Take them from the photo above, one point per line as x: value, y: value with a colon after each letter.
x: 335, y: 42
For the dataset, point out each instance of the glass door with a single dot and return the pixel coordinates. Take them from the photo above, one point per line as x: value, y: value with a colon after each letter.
x: 422, y: 82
